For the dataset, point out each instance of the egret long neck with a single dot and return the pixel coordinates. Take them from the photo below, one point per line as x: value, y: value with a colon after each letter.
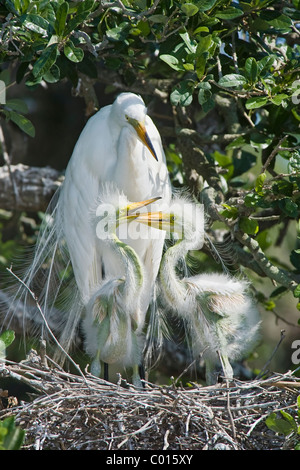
x: 133, y: 166
x: 172, y: 285
x: 132, y: 265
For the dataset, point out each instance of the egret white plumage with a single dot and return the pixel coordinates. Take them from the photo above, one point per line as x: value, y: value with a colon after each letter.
x: 222, y: 321
x: 119, y: 144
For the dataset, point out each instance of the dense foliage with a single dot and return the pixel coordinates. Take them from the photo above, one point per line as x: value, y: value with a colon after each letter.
x: 229, y: 73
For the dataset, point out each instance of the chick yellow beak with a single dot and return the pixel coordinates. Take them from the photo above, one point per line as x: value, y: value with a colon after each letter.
x: 133, y: 206
x: 143, y: 135
x: 129, y: 212
x: 159, y: 220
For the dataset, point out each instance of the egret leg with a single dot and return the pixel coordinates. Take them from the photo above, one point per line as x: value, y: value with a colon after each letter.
x: 96, y: 365
x: 226, y: 366
x: 136, y: 379
x: 106, y: 375
x: 211, y: 372
x: 213, y: 369
x: 142, y: 371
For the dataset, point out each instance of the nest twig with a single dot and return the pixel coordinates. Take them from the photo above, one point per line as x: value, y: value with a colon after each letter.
x: 74, y: 412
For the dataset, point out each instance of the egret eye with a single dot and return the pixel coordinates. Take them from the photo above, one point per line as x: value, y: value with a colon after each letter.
x: 126, y: 117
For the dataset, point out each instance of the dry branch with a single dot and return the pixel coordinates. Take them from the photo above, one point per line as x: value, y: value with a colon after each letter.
x: 35, y: 186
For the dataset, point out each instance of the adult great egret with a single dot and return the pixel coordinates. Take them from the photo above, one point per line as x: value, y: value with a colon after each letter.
x: 222, y: 320
x: 119, y: 144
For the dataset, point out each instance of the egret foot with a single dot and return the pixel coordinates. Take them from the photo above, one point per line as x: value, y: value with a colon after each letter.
x: 214, y: 369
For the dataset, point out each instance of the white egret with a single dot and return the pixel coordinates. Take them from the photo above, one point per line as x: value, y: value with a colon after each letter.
x: 222, y: 321
x: 119, y: 144
x: 113, y: 322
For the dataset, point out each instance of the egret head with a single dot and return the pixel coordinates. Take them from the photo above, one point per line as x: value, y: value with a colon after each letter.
x: 183, y: 218
x: 113, y: 209
x: 131, y: 110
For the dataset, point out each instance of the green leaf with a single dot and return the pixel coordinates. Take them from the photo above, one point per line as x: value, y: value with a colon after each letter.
x: 204, y: 44
x: 269, y: 305
x: 296, y: 292
x: 158, y: 19
x: 7, y: 337
x: 289, y: 207
x: 45, y: 61
x: 290, y: 419
x: 205, y: 5
x: 61, y: 18
x: 264, y: 65
x: 17, y: 105
x: 144, y: 27
x: 251, y: 69
x: 280, y: 425
x: 276, y: 21
x: 256, y: 102
x: 232, y: 80
x: 278, y: 99
x: 23, y: 123
x: 249, y: 226
x: 229, y: 13
x: 200, y: 66
x: 36, y: 23
x: 201, y: 29
x: 294, y: 161
x: 189, y: 9
x: 205, y: 97
x: 74, y: 54
x: 259, y: 183
x: 75, y: 21
x: 182, y: 95
x: 283, y: 187
x: 191, y: 45
x: 172, y: 61
x: 279, y: 291
x: 230, y: 212
x: 11, y: 436
x: 86, y: 6
x: 53, y: 75
x: 119, y: 33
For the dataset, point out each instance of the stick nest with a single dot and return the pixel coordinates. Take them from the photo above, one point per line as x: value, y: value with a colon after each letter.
x: 81, y: 412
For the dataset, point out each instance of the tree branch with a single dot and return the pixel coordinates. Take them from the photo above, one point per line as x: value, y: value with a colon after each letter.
x: 35, y: 187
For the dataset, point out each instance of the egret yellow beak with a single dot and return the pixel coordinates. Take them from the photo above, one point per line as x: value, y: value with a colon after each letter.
x: 127, y: 212
x: 159, y: 220
x: 143, y: 135
x: 133, y: 206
